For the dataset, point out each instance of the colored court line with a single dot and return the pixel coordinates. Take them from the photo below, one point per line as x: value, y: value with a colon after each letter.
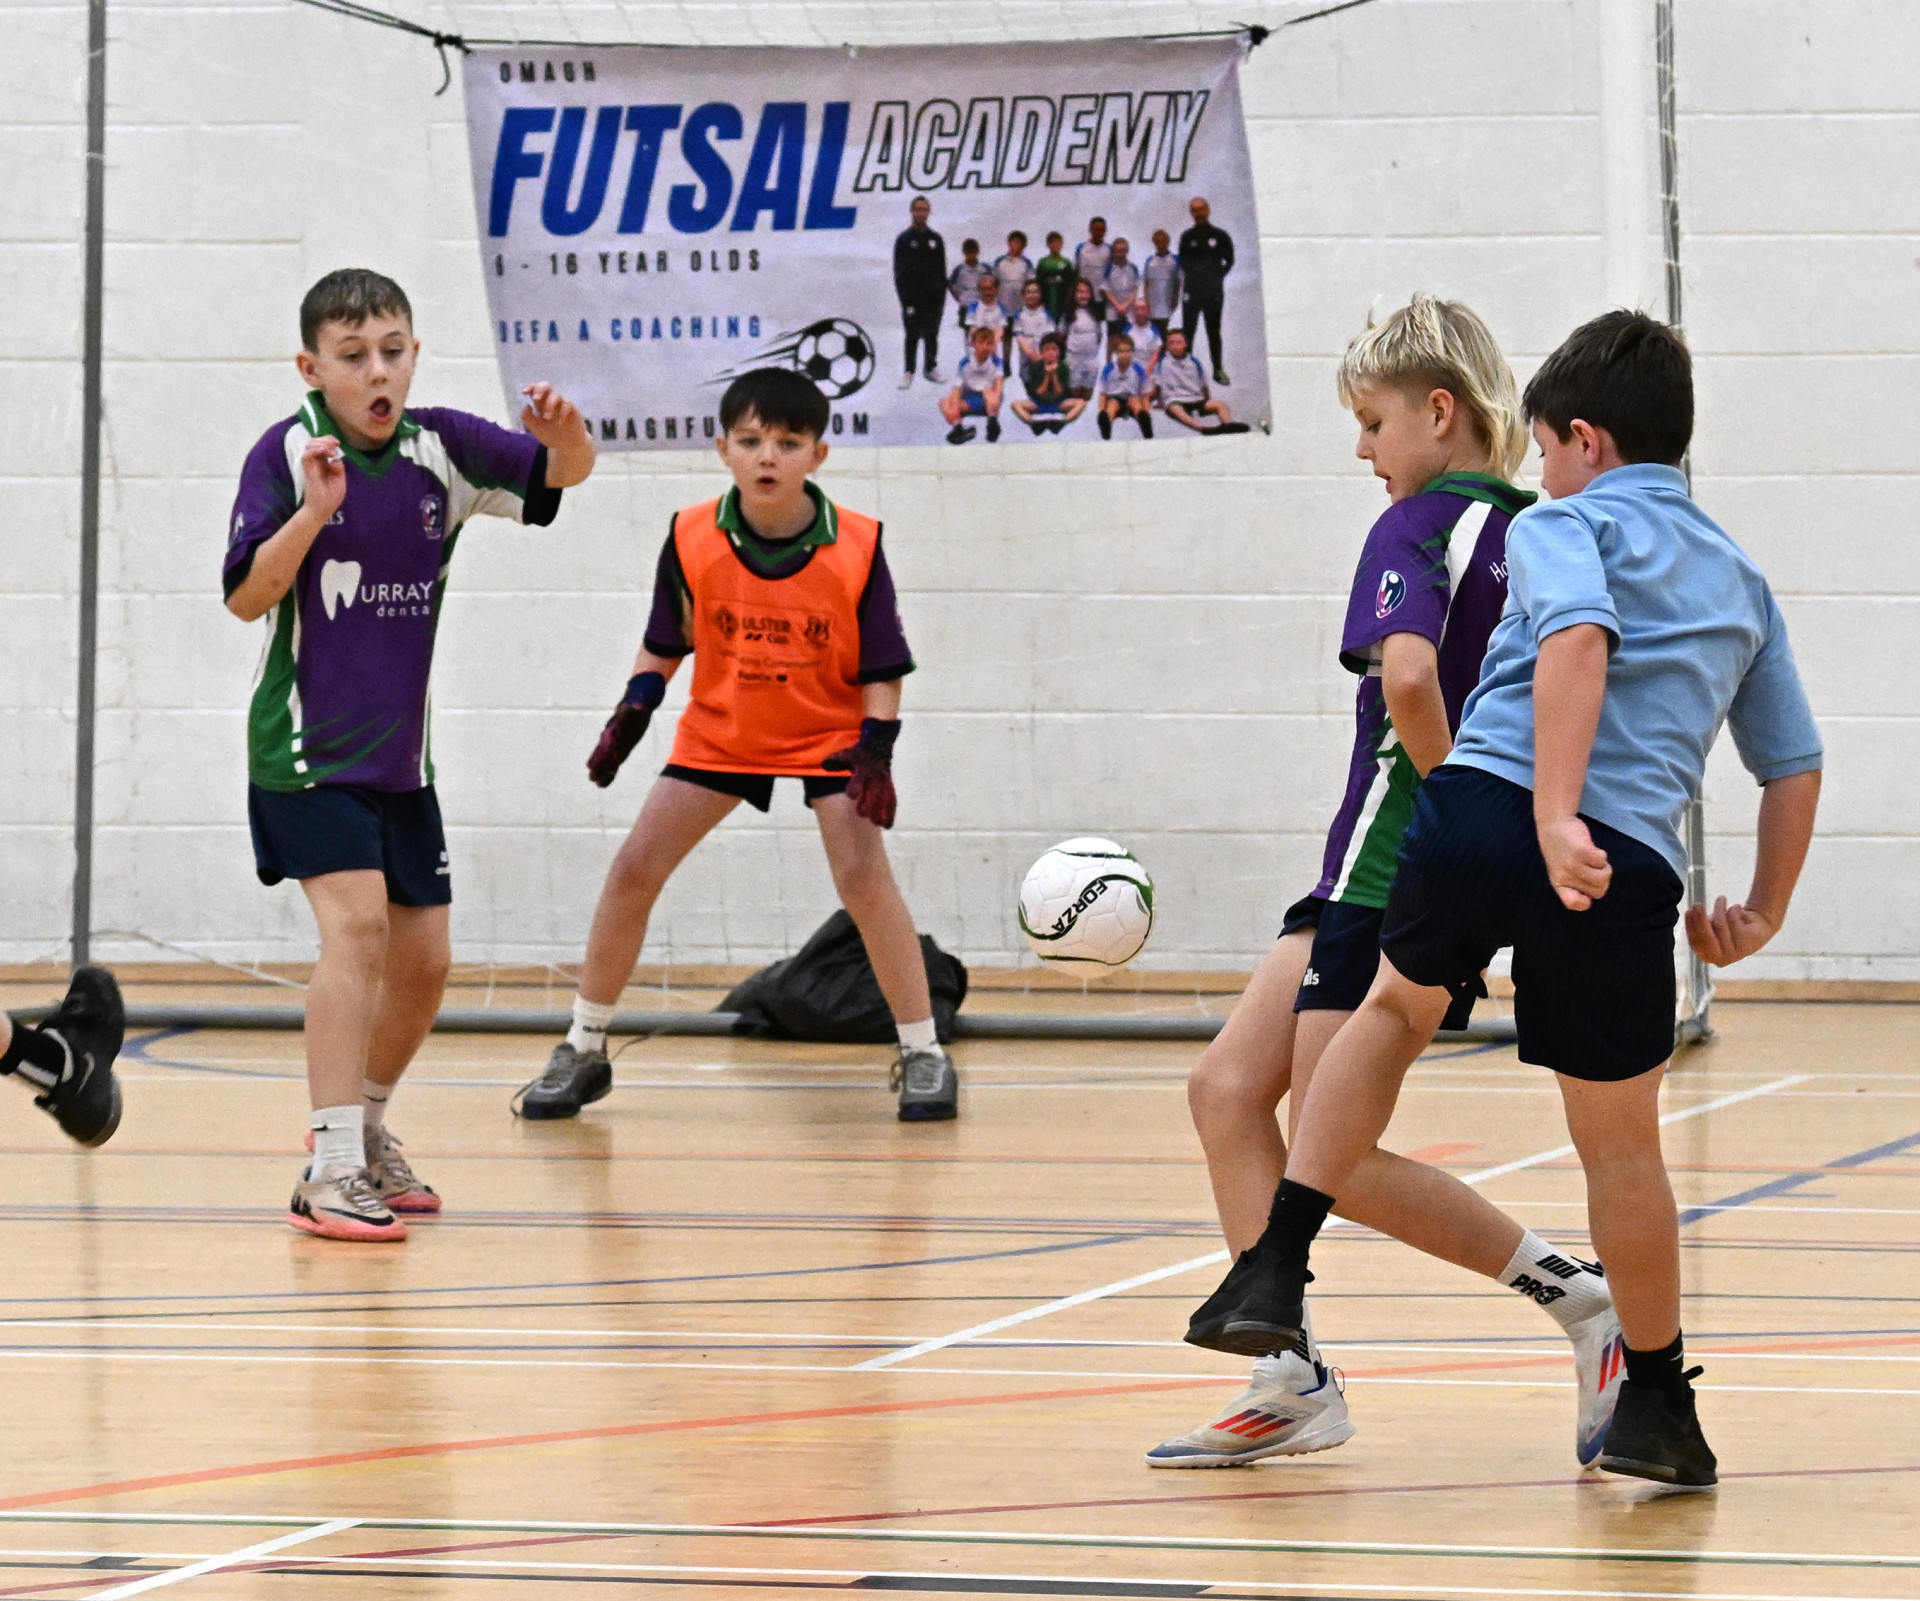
x: 1373, y: 1376
x: 397, y: 1453
x: 594, y: 1284
x: 1578, y: 1481
x: 1798, y: 1180
x: 194, y: 1570
x: 1173, y: 1542
x: 558, y: 1532
x: 949, y: 1582
x: 1215, y: 1258
x: 681, y: 1425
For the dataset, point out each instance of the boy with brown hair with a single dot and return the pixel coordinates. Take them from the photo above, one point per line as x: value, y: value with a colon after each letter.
x: 341, y: 537
x: 811, y: 691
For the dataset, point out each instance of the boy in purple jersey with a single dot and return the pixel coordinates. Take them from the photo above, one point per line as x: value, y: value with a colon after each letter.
x: 341, y: 536
x: 1440, y: 423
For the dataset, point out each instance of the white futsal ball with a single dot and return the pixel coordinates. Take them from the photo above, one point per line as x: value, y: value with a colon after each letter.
x: 1087, y: 901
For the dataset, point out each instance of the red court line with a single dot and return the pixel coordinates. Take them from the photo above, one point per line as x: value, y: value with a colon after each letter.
x: 616, y: 1431
x: 734, y: 1420
x: 397, y: 1453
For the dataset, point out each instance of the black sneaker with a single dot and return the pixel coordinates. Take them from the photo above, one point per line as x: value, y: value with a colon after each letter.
x: 1656, y: 1435
x: 1262, y: 1314
x: 928, y: 1087
x: 573, y: 1079
x: 90, y: 1022
x: 1211, y: 1315
x: 993, y: 430
x: 959, y: 434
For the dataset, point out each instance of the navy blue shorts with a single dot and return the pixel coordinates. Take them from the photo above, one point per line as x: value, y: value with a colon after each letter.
x: 756, y: 789
x: 1346, y: 958
x: 340, y: 828
x: 1593, y: 991
x: 1303, y: 913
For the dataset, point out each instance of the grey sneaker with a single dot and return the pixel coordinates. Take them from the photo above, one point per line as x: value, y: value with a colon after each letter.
x: 573, y: 1079
x: 343, y: 1206
x: 928, y: 1086
x: 393, y: 1178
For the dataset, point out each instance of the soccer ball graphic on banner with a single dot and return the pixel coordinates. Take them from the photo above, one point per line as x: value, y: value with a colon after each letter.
x: 1087, y: 901
x: 836, y: 354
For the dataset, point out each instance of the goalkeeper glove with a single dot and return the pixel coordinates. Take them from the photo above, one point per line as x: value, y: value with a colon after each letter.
x: 629, y: 721
x: 871, y: 764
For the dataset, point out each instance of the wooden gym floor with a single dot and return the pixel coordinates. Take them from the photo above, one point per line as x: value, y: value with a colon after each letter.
x: 738, y: 1330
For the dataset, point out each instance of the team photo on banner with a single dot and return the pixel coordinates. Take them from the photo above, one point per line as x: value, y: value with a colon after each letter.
x: 965, y: 245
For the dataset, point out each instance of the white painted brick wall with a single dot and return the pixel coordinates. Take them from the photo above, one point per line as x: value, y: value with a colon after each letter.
x: 1137, y: 641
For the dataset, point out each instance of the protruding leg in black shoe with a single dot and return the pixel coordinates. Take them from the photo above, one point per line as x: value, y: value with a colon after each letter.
x: 1271, y: 1313
x: 1656, y: 1435
x: 1260, y: 1305
x: 1210, y: 1317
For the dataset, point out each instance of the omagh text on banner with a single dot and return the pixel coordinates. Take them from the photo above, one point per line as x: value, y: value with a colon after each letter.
x: 958, y: 244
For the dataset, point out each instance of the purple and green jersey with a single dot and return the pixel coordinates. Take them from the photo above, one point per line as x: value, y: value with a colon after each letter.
x: 342, y: 691
x: 1435, y: 564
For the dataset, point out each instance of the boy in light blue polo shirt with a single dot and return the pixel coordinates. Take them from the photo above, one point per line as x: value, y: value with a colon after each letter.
x: 1634, y: 628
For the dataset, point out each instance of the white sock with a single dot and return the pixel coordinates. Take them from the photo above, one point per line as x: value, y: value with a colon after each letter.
x: 1297, y: 1370
x: 1572, y: 1291
x: 374, y: 1098
x: 916, y: 1036
x: 590, y: 1020
x: 339, y: 1140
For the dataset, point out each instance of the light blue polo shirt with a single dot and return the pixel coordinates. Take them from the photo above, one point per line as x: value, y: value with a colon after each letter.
x: 1695, y: 639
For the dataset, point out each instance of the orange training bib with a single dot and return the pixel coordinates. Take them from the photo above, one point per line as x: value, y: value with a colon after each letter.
x: 776, y: 661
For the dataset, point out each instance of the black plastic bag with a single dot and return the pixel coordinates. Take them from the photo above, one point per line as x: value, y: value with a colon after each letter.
x: 826, y: 991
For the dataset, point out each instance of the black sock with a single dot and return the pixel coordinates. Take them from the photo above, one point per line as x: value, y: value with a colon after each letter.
x: 1297, y: 1215
x: 43, y: 1057
x: 1106, y: 426
x: 1659, y: 1370
x: 1146, y: 426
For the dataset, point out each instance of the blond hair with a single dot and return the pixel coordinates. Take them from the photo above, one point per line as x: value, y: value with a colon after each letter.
x: 1441, y: 344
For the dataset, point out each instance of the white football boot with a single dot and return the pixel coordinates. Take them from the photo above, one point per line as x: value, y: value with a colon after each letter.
x: 1291, y: 1407
x: 1599, y: 1365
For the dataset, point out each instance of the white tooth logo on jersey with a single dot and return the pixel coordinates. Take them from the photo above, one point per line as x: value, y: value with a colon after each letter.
x: 339, y: 584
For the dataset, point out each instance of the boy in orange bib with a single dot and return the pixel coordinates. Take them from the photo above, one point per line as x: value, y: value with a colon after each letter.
x: 784, y: 601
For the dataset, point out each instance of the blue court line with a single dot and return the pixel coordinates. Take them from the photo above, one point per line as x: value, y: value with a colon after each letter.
x: 1794, y: 1181
x: 136, y: 1049
x: 586, y: 1284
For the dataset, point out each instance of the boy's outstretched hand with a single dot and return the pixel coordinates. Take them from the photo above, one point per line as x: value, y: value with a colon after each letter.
x: 871, y: 764
x: 324, y: 470
x: 556, y: 422
x: 1727, y: 933
x: 1577, y: 868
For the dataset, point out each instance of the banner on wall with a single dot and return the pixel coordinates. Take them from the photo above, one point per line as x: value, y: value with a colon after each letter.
x: 654, y: 222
